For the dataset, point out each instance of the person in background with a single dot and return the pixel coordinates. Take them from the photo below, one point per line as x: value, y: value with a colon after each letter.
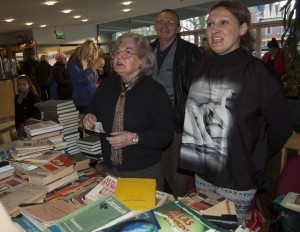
x: 205, y: 50
x: 135, y: 112
x: 29, y: 70
x: 24, y: 104
x: 42, y: 72
x: 174, y: 58
x: 62, y: 77
x: 83, y: 71
x: 236, y: 113
x: 275, y: 57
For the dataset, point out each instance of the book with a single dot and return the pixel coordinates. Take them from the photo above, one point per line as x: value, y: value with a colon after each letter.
x: 106, y: 186
x: 145, y: 221
x: 46, y: 214
x: 202, y: 201
x: 176, y: 216
x: 41, y: 126
x: 58, y: 104
x: 23, y: 167
x: 11, y: 184
x: 45, y: 157
x: 62, y: 181
x: 31, y: 145
x: 26, y: 224
x: 136, y: 193
x: 45, y: 135
x: 291, y: 201
x: 50, y: 172
x: 25, y: 194
x: 93, y: 216
x: 81, y: 161
x: 89, y: 140
x: 6, y: 170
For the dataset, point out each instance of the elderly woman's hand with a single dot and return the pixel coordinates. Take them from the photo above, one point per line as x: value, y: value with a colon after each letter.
x: 89, y: 121
x: 120, y: 139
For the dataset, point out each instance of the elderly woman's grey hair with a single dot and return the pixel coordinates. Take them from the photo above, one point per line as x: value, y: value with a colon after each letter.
x: 144, y: 51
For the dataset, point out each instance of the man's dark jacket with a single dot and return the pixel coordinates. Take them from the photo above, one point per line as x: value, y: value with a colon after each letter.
x: 186, y: 55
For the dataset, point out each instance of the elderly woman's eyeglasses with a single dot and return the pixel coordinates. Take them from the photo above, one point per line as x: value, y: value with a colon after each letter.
x: 125, y: 54
x: 168, y: 23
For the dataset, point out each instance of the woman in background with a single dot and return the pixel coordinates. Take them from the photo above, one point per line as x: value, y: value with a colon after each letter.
x: 83, y: 71
x: 135, y: 112
x: 275, y: 57
x: 236, y: 114
x: 62, y: 77
x: 24, y: 103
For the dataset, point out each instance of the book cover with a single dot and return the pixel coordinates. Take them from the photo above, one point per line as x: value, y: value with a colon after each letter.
x: 136, y: 193
x: 202, y: 201
x: 41, y: 126
x: 25, y: 194
x: 11, y: 184
x: 48, y: 213
x: 62, y: 181
x: 54, y: 104
x: 89, y: 140
x: 31, y: 145
x: 176, y: 216
x: 106, y: 186
x: 46, y: 157
x: 292, y: 201
x: 26, y: 224
x: 94, y: 216
x: 44, y: 136
x: 142, y: 222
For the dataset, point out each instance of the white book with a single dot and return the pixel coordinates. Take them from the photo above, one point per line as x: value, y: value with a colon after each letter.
x: 292, y: 201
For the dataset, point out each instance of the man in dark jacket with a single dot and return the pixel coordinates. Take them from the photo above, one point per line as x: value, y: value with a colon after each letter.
x: 174, y: 60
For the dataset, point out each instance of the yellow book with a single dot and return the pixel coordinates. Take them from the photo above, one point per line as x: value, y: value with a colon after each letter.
x: 136, y: 193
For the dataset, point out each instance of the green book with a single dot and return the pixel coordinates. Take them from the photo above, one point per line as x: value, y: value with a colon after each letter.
x: 89, y: 140
x: 94, y: 216
x: 175, y: 216
x: 58, y: 104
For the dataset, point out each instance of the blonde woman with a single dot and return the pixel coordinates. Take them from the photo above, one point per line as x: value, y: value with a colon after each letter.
x: 83, y: 71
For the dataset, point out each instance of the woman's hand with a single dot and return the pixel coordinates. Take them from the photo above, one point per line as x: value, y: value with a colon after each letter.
x: 120, y: 139
x: 99, y: 63
x: 89, y: 121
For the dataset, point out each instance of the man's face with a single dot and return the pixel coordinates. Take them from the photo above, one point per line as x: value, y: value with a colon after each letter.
x: 166, y: 26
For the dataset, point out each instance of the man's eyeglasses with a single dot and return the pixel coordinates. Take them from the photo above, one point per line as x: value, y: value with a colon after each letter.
x: 168, y: 23
x: 126, y: 54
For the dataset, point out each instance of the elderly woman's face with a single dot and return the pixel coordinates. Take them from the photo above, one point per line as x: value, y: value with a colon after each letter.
x: 126, y: 61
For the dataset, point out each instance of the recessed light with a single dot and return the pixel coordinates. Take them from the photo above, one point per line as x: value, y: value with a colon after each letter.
x: 50, y: 3
x: 126, y: 10
x: 77, y: 16
x: 126, y: 3
x: 43, y: 25
x: 67, y: 11
x: 9, y: 20
x: 29, y: 23
x: 84, y: 20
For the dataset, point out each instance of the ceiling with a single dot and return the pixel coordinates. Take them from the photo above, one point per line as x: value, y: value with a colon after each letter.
x: 106, y: 14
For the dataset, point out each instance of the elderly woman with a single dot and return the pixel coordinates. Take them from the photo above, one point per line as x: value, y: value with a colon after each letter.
x: 83, y: 71
x: 135, y: 112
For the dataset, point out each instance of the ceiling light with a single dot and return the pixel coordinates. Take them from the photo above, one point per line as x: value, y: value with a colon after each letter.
x: 126, y: 3
x: 9, y: 20
x: 77, y: 16
x: 29, y: 23
x: 126, y: 10
x: 50, y: 3
x: 67, y: 11
x: 43, y: 25
x: 84, y: 20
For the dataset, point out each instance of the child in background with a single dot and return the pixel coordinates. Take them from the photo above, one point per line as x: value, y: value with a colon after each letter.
x: 24, y: 104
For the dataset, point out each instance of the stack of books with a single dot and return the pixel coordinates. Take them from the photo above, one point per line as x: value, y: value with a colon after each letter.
x: 6, y: 170
x: 90, y: 146
x: 43, y: 129
x: 63, y: 112
x: 24, y: 149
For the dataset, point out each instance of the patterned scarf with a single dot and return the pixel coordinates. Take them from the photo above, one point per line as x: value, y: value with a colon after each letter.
x: 118, y: 122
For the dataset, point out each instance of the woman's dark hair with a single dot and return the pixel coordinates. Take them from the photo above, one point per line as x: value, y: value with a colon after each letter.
x: 244, y: 16
x: 273, y: 43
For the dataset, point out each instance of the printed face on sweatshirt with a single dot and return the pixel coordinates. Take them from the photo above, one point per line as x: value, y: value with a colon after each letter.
x: 224, y: 31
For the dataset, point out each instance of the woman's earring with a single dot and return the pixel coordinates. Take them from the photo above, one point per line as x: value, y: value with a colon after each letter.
x: 140, y: 67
